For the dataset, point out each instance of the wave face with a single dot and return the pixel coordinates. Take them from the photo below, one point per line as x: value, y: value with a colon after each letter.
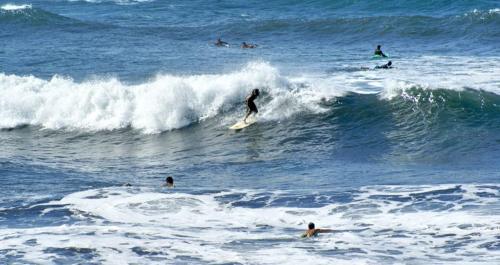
x: 169, y: 102
x: 356, y: 112
x: 165, y: 103
x: 27, y: 15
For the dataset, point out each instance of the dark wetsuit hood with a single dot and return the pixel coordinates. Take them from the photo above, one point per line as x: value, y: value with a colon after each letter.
x: 255, y: 92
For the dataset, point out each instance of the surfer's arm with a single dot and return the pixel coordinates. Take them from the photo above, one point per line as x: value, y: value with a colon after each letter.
x: 322, y: 230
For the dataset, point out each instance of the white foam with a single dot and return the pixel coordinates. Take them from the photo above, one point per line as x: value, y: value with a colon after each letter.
x: 165, y: 103
x: 169, y: 102
x: 115, y: 221
x: 482, y: 14
x: 14, y: 7
x: 441, y: 72
x: 494, y: 10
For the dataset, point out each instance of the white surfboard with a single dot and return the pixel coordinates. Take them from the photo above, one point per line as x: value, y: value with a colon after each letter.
x: 241, y: 124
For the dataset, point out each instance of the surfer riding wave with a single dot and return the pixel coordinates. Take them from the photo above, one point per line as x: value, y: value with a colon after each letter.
x: 251, y: 107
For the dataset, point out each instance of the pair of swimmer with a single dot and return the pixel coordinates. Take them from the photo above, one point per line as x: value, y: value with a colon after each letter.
x: 244, y: 45
x: 378, y: 52
x: 311, y: 231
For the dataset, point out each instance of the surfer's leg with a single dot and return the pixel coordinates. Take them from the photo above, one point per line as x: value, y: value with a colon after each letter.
x: 249, y: 111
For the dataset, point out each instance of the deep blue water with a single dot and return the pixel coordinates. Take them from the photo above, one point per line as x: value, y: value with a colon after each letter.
x: 401, y: 163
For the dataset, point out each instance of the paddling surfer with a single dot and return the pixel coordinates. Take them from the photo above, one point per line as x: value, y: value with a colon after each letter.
x: 245, y: 45
x: 220, y: 43
x: 384, y: 66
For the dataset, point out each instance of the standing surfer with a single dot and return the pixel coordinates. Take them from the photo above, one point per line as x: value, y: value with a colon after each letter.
x: 251, y: 108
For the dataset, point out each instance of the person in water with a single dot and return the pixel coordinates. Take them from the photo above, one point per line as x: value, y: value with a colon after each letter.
x: 379, y: 52
x: 384, y: 66
x: 251, y: 108
x: 169, y: 182
x: 245, y: 45
x: 221, y: 43
x: 313, y: 231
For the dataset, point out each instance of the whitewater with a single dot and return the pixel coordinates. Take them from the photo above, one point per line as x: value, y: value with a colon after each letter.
x: 169, y: 102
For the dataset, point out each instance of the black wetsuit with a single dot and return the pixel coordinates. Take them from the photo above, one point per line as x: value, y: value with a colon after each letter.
x: 379, y: 52
x: 220, y: 43
x: 251, y: 105
x: 385, y: 66
x: 248, y: 46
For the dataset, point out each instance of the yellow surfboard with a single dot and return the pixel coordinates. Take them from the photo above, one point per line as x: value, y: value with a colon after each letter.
x: 241, y: 124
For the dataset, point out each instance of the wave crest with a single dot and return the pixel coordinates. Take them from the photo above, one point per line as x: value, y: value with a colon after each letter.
x: 14, y: 7
x: 165, y: 103
x: 169, y: 102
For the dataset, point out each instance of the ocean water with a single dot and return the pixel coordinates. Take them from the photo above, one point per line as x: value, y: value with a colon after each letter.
x: 403, y: 164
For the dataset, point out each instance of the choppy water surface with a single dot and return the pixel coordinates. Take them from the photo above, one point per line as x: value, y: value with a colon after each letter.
x: 401, y: 163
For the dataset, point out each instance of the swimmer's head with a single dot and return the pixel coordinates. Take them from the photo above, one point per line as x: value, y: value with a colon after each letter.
x: 389, y: 63
x: 310, y: 225
x: 170, y: 181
